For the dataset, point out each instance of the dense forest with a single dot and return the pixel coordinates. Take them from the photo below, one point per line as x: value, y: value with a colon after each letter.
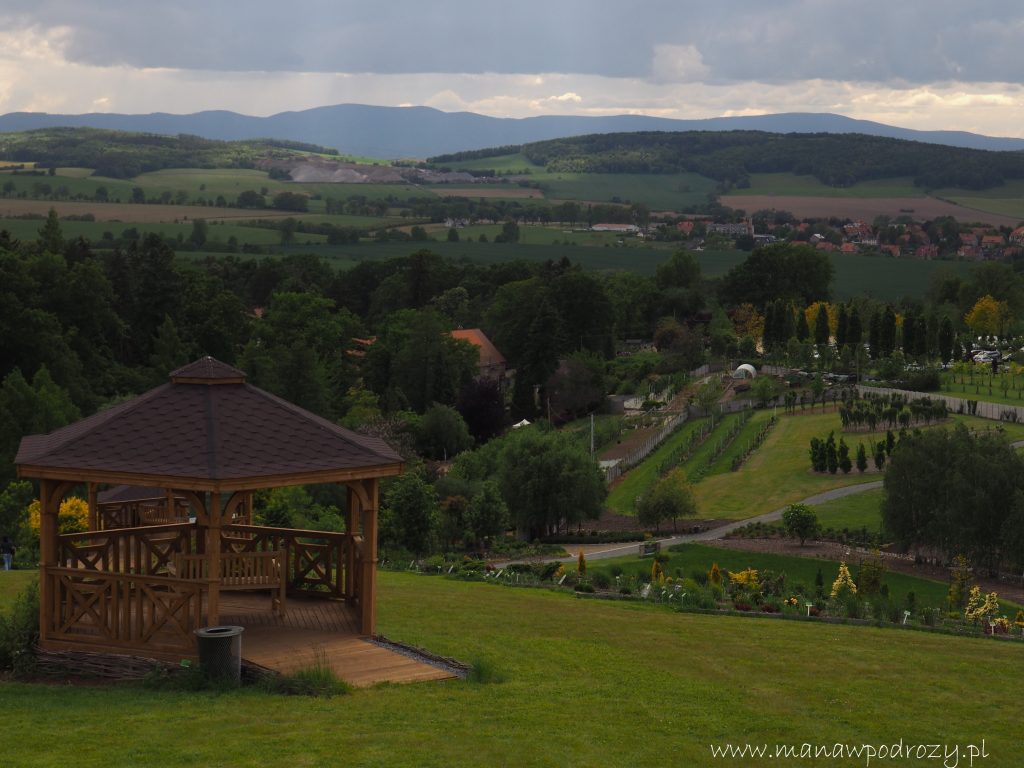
x: 838, y: 160
x: 121, y: 155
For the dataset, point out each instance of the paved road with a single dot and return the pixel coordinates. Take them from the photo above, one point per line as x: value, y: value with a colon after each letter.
x: 722, y: 530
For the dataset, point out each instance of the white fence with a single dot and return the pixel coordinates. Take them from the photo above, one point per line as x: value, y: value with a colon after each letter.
x: 995, y: 411
x: 644, y: 450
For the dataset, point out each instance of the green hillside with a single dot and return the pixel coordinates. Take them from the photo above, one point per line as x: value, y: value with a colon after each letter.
x: 573, y: 682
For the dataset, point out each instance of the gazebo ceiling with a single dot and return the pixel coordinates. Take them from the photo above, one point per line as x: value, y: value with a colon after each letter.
x: 206, y: 430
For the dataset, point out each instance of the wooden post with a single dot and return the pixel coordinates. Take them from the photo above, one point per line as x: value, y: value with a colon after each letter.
x: 171, y: 508
x: 213, y: 516
x: 48, y: 509
x: 351, y: 516
x: 368, y: 600
x: 94, y: 509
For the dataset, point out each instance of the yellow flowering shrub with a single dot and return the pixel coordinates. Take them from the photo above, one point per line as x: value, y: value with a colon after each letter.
x: 715, y: 575
x: 746, y: 579
x: 981, y: 606
x: 657, y: 572
x: 1018, y: 620
x: 72, y: 517
x: 843, y: 580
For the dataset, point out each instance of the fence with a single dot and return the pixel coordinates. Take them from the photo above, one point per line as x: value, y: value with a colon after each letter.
x: 642, y: 452
x: 995, y: 411
x: 732, y: 406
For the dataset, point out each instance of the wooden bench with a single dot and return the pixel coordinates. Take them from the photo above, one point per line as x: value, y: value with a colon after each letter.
x: 241, y: 570
x: 161, y: 516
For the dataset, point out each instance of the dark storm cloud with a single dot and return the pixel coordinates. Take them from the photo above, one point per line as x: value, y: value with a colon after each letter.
x: 912, y: 41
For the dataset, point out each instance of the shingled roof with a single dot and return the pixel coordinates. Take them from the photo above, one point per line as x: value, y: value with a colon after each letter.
x: 206, y: 430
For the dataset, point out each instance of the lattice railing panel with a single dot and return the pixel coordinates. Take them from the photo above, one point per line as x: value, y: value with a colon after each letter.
x: 127, y: 550
x: 112, y: 610
x: 316, y: 559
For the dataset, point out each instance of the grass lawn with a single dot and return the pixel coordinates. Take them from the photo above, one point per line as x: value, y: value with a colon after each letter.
x: 861, y: 510
x: 12, y: 583
x: 587, y: 683
x: 778, y: 473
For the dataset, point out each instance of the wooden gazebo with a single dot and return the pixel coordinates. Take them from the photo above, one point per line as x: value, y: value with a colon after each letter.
x: 200, y: 445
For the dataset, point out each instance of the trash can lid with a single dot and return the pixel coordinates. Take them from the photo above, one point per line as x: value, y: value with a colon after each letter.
x: 224, y: 631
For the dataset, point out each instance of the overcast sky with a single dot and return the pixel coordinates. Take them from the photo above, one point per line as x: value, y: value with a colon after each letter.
x: 927, y: 64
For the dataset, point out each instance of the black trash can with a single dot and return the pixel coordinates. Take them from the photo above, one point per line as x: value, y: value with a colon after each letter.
x: 220, y: 653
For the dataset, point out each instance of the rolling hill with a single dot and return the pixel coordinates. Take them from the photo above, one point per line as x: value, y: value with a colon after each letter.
x: 393, y: 132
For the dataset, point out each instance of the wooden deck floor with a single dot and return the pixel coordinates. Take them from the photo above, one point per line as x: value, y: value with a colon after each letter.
x: 315, y: 631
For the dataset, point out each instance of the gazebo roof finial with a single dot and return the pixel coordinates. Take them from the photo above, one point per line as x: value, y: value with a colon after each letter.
x: 208, y: 370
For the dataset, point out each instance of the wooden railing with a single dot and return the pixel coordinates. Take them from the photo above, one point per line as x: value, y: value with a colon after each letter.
x: 240, y: 570
x: 113, y: 610
x: 317, y: 560
x: 126, y: 550
x: 132, y: 514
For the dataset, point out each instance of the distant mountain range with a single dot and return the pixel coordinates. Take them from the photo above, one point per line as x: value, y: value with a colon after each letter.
x: 420, y: 132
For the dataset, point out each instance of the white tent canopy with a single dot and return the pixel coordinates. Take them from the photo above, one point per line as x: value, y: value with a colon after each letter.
x: 745, y: 371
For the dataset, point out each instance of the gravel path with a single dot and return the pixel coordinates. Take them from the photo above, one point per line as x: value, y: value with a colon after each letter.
x: 619, y: 550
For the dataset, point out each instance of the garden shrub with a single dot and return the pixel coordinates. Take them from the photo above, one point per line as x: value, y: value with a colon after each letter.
x: 19, y: 630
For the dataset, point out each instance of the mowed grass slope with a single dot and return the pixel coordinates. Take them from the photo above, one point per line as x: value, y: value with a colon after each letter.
x: 587, y: 683
x: 779, y: 472
x: 859, y: 510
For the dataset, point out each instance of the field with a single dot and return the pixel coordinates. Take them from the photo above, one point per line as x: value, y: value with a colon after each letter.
x: 659, y: 192
x: 865, y: 208
x: 488, y: 191
x: 643, y: 260
x: 792, y: 185
x: 585, y: 683
x: 1007, y: 200
x: 876, y: 276
x: 516, y: 164
x: 217, y: 232
x: 662, y: 192
x: 130, y: 212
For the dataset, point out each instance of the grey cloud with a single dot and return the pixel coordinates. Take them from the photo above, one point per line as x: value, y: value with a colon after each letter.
x: 910, y: 41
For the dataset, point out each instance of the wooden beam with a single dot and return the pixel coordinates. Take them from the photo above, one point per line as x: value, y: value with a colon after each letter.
x: 47, y: 555
x: 351, y: 516
x: 94, y: 509
x: 227, y: 485
x: 368, y: 599
x: 213, y: 515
